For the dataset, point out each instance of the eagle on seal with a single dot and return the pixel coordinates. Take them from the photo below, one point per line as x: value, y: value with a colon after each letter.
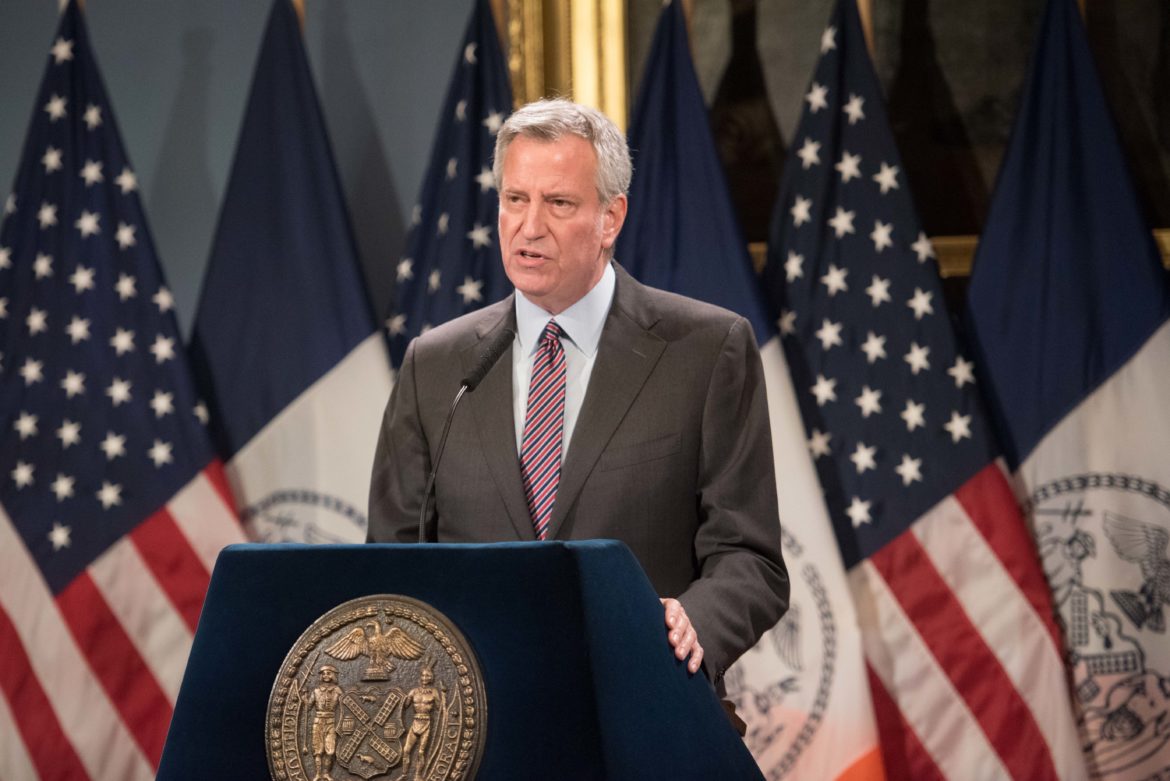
x: 371, y: 641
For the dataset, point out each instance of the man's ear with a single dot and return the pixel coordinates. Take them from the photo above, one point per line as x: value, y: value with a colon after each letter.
x: 612, y: 220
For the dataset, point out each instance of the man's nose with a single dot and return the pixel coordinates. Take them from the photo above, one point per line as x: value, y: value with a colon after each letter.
x: 534, y: 224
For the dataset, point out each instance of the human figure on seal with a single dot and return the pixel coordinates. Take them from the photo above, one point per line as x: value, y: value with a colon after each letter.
x: 423, y: 697
x: 326, y: 699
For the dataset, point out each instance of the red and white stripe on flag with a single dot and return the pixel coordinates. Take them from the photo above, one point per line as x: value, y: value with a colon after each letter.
x: 89, y: 678
x: 956, y: 609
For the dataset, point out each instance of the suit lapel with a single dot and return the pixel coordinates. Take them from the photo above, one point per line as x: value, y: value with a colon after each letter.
x: 491, y: 404
x: 626, y: 355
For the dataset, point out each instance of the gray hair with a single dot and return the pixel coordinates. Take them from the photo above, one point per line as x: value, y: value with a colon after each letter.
x: 550, y: 119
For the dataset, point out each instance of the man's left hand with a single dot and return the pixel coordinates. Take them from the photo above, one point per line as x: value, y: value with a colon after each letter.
x: 681, y: 634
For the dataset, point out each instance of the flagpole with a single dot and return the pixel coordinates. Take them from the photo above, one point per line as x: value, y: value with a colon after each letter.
x: 865, y: 10
x: 299, y: 7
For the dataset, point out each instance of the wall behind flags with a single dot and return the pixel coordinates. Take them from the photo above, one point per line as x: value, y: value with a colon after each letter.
x: 178, y: 74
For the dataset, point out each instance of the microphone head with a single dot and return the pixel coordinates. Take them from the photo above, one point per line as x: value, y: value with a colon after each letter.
x: 492, y: 352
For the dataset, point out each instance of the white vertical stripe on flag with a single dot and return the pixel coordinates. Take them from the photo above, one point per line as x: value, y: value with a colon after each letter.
x: 1007, y: 622
x: 15, y: 764
x: 928, y: 701
x: 145, y: 612
x: 207, y: 523
x: 85, y: 713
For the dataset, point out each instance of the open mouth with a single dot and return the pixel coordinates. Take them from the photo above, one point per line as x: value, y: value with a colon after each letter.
x: 530, y: 255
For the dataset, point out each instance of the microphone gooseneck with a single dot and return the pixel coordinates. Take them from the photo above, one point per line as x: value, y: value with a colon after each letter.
x: 491, y: 354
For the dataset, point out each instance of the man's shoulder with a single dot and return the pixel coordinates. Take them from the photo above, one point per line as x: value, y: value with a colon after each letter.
x: 668, y: 313
x: 466, y: 330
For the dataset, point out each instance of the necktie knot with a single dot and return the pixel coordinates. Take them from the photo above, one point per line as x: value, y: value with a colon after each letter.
x: 551, y: 336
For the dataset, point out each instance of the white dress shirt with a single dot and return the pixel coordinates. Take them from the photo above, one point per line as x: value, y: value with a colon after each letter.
x: 581, y: 324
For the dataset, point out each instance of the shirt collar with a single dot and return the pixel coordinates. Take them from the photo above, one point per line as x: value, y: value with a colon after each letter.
x: 582, y: 322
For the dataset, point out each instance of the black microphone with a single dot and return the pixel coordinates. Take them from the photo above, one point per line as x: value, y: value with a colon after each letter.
x: 491, y: 354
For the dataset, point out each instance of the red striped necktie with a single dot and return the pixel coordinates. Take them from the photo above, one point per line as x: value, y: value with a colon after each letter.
x: 540, y: 451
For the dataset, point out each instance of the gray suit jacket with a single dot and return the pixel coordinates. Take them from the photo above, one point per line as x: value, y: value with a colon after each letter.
x: 671, y: 454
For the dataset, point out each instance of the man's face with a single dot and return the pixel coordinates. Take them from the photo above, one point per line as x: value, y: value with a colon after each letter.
x: 554, y: 231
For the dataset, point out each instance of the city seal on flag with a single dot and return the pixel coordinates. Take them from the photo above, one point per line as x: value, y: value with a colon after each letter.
x: 381, y: 686
x: 1086, y: 525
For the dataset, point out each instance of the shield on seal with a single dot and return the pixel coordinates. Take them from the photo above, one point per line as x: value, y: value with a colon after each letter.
x: 371, y: 746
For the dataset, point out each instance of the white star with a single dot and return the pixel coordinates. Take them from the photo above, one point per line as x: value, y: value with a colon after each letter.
x: 163, y: 300
x: 43, y: 266
x: 22, y: 474
x: 470, y: 290
x: 55, y: 108
x: 405, y: 269
x: 787, y: 322
x: 923, y: 248
x: 874, y: 347
x: 122, y: 341
x: 69, y: 433
x: 127, y: 181
x: 920, y: 303
x: 161, y: 453
x: 396, y: 325
x: 25, y: 425
x: 848, y: 166
x: 829, y: 333
x: 62, y: 487
x: 808, y: 153
x: 91, y: 172
x: 842, y: 222
x: 162, y: 403
x: 109, y: 495
x: 31, y: 371
x: 910, y: 470
x: 47, y: 215
x: 824, y: 390
x: 914, y: 415
x: 870, y: 401
x: 452, y: 168
x: 881, y: 235
x: 113, y: 445
x: 93, y: 116
x: 87, y: 223
x: 469, y: 53
x: 818, y: 444
x: 878, y: 290
x: 800, y: 211
x: 959, y: 426
x: 918, y: 358
x: 434, y: 281
x: 794, y: 266
x: 493, y: 121
x: 126, y: 287
x: 887, y: 178
x: 415, y: 214
x: 163, y: 348
x: 486, y: 180
x: 817, y: 97
x: 52, y: 159
x: 858, y: 512
x: 78, y: 329
x: 82, y: 279
x: 863, y: 457
x: 4, y: 308
x: 73, y: 384
x: 834, y: 280
x: 828, y: 39
x: 62, y: 50
x: 441, y: 226
x: 480, y: 235
x: 37, y: 321
x: 119, y: 391
x: 125, y: 235
x: 461, y: 111
x: 853, y: 109
x: 59, y: 536
x: 200, y: 411
x: 5, y: 257
x: 10, y: 204
x: 962, y: 371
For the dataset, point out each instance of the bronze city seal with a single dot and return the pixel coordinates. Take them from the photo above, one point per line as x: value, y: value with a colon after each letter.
x: 382, y: 686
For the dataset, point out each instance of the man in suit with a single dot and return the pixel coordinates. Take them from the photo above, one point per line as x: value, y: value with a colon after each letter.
x: 619, y: 411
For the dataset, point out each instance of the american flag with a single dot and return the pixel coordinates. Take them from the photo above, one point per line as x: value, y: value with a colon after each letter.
x: 112, y: 508
x: 452, y: 261
x: 957, y: 622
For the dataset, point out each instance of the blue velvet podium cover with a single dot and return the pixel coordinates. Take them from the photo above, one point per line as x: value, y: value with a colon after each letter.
x: 580, y: 680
